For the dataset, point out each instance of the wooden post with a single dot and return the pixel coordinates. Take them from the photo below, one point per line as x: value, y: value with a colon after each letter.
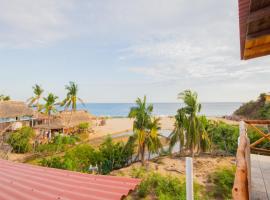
x: 240, y: 189
x: 189, y: 178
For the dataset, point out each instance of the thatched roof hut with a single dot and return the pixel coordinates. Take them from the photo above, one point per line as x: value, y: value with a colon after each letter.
x: 67, y: 119
x: 13, y: 109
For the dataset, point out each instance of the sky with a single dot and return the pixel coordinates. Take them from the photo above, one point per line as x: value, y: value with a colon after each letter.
x: 118, y: 50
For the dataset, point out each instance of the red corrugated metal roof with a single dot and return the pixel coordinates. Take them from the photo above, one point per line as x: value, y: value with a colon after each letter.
x: 26, y: 182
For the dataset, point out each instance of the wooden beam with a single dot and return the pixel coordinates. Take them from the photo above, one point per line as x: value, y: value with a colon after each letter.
x: 257, y: 51
x: 259, y: 14
x: 266, y: 122
x: 258, y: 34
x: 258, y: 41
x: 260, y: 150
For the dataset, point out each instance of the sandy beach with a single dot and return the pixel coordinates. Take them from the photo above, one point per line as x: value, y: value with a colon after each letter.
x: 120, y: 125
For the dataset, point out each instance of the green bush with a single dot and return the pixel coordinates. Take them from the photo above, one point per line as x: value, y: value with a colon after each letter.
x: 108, y: 157
x: 166, y: 188
x: 83, y: 127
x: 21, y: 140
x: 223, y: 179
x: 58, y: 144
x: 223, y: 137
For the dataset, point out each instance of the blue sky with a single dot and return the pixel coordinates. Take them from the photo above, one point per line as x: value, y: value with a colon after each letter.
x: 117, y: 50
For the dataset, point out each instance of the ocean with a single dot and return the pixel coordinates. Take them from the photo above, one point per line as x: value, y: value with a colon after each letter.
x: 160, y: 109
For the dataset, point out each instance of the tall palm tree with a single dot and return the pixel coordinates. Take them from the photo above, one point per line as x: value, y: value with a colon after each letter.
x: 178, y: 133
x: 34, y: 100
x: 72, y: 96
x: 192, y: 109
x: 142, y: 120
x: 50, y: 106
x: 4, y: 98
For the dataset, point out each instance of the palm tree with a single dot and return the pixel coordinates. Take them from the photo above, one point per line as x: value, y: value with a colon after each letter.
x: 178, y: 133
x: 205, y: 142
x: 192, y: 108
x: 49, y: 106
x: 72, y: 96
x: 152, y: 139
x: 34, y: 100
x: 142, y: 120
x: 4, y: 98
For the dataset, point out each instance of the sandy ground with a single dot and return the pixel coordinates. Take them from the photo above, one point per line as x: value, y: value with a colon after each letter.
x: 120, y: 125
x: 202, y: 166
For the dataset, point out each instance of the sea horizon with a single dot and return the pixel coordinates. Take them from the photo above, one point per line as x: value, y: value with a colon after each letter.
x: 210, y: 109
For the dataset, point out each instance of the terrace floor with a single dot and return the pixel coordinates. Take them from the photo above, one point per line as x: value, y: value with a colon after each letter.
x: 260, y: 177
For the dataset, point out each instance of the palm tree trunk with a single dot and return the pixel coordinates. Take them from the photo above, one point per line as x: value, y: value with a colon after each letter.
x: 142, y: 154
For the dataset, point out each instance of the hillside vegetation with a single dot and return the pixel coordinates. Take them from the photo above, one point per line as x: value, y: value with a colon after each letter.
x: 259, y: 109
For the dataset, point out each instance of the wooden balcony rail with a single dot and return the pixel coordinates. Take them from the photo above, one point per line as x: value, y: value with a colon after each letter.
x: 241, y: 188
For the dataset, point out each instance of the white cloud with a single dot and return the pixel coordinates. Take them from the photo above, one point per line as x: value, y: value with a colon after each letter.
x: 33, y: 22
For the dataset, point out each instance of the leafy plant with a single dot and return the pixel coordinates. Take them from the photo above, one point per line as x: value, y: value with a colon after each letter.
x: 166, y: 188
x: 21, y: 140
x: 223, y: 137
x: 58, y: 144
x: 83, y: 127
x: 223, y: 179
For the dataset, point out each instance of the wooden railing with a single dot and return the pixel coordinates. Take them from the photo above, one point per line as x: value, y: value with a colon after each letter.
x: 242, y: 183
x: 241, y: 188
x: 264, y: 136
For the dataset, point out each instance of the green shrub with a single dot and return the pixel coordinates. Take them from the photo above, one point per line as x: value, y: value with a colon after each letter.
x: 108, y: 157
x: 166, y: 188
x: 58, y: 144
x: 21, y: 140
x: 83, y: 127
x: 114, y: 155
x: 223, y: 137
x: 223, y: 179
x: 77, y: 159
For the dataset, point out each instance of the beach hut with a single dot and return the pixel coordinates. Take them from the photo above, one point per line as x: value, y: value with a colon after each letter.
x: 64, y: 122
x: 14, y: 115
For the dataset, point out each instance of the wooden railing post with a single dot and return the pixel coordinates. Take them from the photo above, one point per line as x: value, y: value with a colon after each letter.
x: 240, y: 189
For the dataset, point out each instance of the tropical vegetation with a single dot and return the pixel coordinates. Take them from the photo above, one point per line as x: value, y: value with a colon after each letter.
x: 222, y: 179
x: 259, y: 109
x: 21, y: 140
x: 34, y: 101
x: 164, y: 187
x: 190, y: 128
x: 4, y: 98
x: 72, y: 98
x: 107, y: 157
x: 145, y: 128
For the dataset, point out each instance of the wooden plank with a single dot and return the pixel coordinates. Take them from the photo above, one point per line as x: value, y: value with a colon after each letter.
x: 260, y: 150
x: 259, y: 14
x: 258, y: 35
x: 257, y: 41
x: 259, y: 122
x: 258, y: 50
